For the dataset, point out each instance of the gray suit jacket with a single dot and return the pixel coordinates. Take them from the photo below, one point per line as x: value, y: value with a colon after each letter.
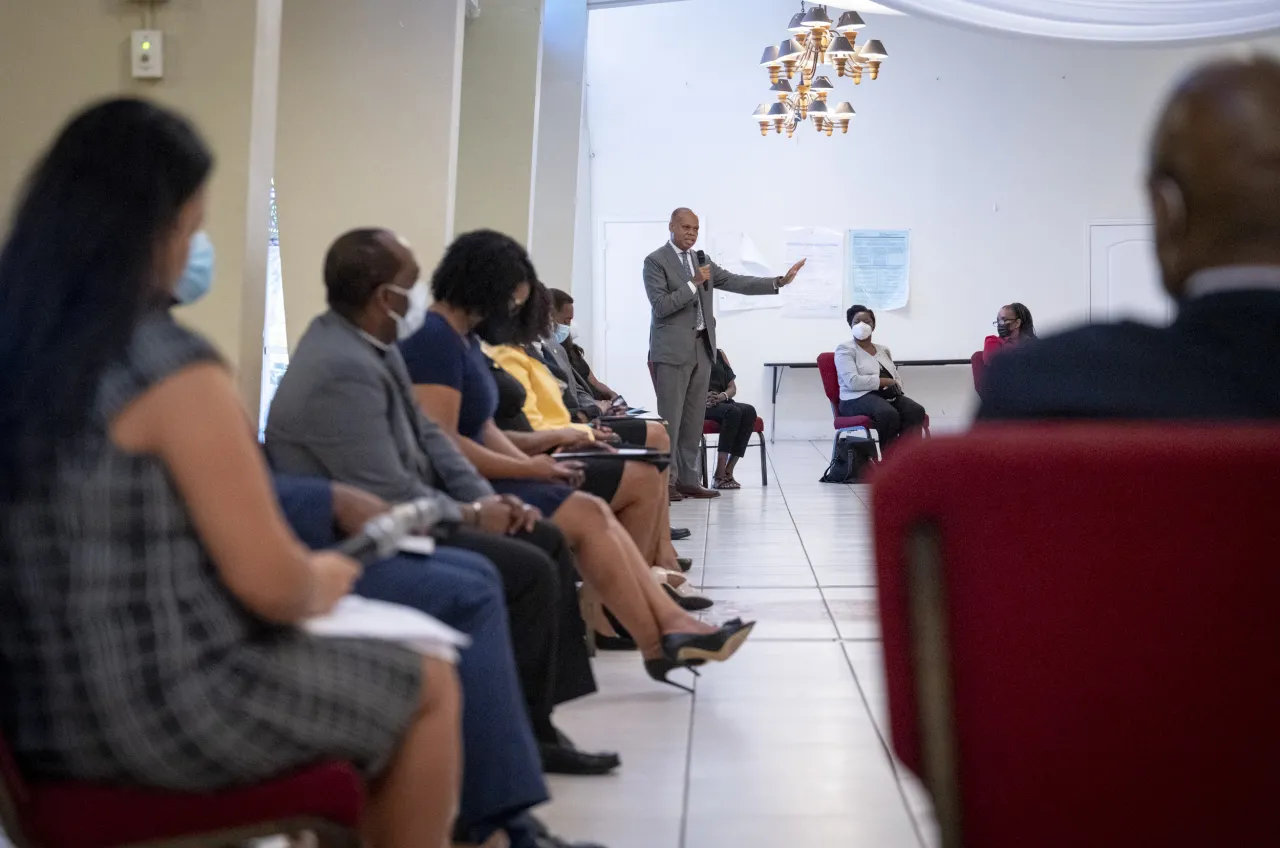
x: 345, y: 410
x: 666, y: 281
x: 577, y: 391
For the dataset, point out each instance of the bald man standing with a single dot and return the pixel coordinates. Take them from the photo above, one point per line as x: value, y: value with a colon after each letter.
x: 1214, y: 189
x: 682, y: 338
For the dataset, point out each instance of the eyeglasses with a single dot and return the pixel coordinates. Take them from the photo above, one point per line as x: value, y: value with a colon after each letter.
x: 1001, y: 322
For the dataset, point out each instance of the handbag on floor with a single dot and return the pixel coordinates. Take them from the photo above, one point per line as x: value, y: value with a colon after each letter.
x: 852, y: 453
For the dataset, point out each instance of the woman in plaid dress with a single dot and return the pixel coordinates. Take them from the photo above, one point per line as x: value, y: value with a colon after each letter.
x: 151, y: 588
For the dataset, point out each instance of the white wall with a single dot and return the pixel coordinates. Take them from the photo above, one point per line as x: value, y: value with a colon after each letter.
x: 556, y: 166
x: 583, y: 236
x: 995, y: 153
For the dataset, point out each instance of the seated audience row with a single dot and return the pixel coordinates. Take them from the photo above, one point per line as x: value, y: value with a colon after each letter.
x: 157, y: 586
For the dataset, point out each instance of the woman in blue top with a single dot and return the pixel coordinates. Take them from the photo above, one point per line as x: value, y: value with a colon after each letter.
x: 482, y: 289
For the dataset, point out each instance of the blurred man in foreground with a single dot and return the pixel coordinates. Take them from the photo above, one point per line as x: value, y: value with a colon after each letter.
x: 1214, y: 188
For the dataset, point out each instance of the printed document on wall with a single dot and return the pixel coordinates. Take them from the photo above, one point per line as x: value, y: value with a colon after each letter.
x: 880, y: 268
x: 818, y: 290
x: 737, y: 253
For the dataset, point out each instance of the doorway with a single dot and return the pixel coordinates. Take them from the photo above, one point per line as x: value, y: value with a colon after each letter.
x: 1124, y: 279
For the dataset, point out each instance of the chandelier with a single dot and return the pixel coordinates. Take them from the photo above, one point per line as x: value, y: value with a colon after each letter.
x: 816, y: 41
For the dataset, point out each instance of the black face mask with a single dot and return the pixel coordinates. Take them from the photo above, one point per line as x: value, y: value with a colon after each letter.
x: 1003, y: 330
x: 497, y: 329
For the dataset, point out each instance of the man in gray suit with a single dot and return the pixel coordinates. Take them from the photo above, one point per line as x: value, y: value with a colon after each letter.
x: 345, y: 410
x: 682, y: 337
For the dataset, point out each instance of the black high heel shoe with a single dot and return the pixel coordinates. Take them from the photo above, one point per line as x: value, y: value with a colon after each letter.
x: 660, y: 667
x: 688, y: 650
x: 683, y: 648
x: 690, y: 602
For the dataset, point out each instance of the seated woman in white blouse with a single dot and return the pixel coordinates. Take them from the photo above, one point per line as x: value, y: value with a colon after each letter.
x: 869, y: 382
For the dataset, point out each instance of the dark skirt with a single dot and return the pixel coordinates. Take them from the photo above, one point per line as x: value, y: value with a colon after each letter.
x: 604, y: 476
x: 632, y: 431
x: 547, y: 497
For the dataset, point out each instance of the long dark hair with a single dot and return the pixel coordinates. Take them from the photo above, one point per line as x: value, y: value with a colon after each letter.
x: 1023, y: 314
x: 480, y: 273
x: 78, y: 268
x: 533, y: 322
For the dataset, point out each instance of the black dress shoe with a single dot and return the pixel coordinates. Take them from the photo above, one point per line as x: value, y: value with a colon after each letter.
x: 678, y: 533
x: 553, y: 841
x: 526, y: 831
x: 614, y: 643
x: 563, y: 757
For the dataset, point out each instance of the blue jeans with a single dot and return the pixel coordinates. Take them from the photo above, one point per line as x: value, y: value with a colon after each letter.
x: 502, y: 774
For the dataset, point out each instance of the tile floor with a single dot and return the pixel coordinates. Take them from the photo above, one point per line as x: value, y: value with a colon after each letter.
x: 786, y: 743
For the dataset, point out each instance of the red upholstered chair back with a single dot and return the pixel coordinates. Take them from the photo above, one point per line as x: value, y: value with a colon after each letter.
x: 1086, y: 620
x: 830, y: 380
x: 13, y: 792
x: 978, y: 363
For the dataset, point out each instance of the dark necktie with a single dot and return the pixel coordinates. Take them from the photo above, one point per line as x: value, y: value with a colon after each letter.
x: 700, y: 322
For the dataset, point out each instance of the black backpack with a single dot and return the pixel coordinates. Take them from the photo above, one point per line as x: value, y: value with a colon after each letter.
x: 853, y: 452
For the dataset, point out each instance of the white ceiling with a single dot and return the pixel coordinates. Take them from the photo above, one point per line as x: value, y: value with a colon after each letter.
x: 856, y: 5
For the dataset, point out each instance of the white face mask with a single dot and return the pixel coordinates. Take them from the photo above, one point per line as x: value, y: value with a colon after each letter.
x: 411, y: 321
x: 862, y: 331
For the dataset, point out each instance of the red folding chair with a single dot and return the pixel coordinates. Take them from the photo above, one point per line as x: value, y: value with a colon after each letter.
x: 712, y: 428
x: 978, y: 363
x: 1082, y: 632
x: 842, y: 423
x: 326, y: 799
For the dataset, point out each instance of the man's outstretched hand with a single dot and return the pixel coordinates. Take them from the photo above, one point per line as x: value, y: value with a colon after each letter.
x: 791, y: 275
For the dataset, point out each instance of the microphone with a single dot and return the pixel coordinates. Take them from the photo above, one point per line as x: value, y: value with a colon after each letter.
x: 381, y: 537
x: 702, y: 261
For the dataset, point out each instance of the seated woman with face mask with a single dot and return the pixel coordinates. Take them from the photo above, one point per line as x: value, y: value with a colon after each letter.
x: 869, y: 381
x: 1014, y: 326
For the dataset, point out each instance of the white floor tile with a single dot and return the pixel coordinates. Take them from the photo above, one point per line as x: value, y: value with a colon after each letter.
x: 785, y: 744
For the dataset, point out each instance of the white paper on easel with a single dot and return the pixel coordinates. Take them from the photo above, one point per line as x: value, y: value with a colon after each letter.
x: 355, y: 617
x: 818, y: 290
x: 738, y: 253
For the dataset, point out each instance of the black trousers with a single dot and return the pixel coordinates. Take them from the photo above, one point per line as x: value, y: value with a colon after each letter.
x: 737, y: 423
x: 548, y: 636
x: 890, y: 419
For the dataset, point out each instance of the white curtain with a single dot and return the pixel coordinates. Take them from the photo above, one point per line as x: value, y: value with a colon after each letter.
x: 1119, y: 21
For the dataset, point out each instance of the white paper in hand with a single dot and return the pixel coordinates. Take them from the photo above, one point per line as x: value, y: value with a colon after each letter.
x: 363, y: 618
x: 421, y: 545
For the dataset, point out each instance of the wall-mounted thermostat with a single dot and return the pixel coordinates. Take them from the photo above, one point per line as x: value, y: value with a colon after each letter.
x: 148, y: 54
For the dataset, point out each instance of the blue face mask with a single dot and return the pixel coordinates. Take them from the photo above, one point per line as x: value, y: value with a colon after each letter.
x: 562, y: 332
x: 198, y: 276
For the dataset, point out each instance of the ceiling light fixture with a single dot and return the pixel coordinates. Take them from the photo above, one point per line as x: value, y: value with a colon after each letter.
x: 816, y: 40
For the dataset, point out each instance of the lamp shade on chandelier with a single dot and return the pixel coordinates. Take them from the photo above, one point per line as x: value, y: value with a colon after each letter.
x: 815, y: 40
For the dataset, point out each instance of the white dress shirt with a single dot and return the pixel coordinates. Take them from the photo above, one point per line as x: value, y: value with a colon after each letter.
x: 1233, y: 278
x: 687, y: 259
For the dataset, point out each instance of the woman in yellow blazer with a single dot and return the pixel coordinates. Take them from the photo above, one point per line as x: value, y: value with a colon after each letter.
x: 636, y: 491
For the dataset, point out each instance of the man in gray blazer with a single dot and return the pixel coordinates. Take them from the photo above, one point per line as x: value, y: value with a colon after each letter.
x: 682, y: 337
x: 345, y: 410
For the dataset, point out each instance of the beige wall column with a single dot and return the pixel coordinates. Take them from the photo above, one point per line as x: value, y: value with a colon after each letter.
x: 221, y: 67
x: 369, y: 112
x: 501, y: 78
x: 560, y: 114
